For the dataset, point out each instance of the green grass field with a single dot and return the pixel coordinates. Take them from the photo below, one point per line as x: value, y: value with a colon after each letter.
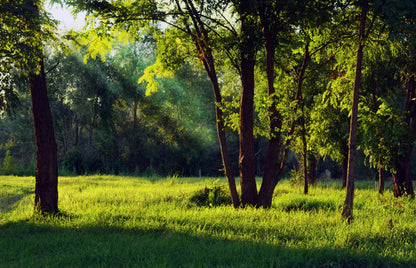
x: 110, y: 221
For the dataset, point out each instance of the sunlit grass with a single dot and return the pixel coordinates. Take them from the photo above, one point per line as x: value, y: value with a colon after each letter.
x: 113, y: 221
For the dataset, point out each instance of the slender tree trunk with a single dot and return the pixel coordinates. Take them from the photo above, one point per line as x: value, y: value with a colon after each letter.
x: 304, y: 157
x: 210, y: 68
x: 46, y: 188
x: 344, y: 168
x: 305, y: 167
x: 303, y: 131
x: 380, y: 180
x: 312, y: 167
x: 202, y: 44
x: 347, y: 211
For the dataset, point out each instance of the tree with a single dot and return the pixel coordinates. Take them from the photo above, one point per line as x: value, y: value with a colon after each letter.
x: 391, y: 146
x: 400, y: 17
x: 352, y: 143
x: 27, y: 28
x: 277, y: 20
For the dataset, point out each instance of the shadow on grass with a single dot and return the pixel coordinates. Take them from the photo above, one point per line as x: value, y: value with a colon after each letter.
x: 27, y: 244
x: 308, y: 205
x: 8, y: 201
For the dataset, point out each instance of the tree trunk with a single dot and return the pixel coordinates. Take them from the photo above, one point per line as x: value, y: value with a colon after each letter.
x: 347, y: 211
x: 312, y: 168
x: 46, y: 189
x: 344, y: 168
x: 305, y: 166
x: 402, y: 181
x: 380, y: 180
x: 304, y: 145
x: 210, y: 68
x: 202, y: 44
x: 399, y: 185
x: 271, y: 167
x: 247, y: 160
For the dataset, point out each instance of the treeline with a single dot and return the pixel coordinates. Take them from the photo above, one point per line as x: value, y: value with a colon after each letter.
x: 104, y: 123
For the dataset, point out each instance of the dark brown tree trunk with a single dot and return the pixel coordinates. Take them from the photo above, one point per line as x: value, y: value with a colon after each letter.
x: 305, y: 166
x: 380, y: 180
x: 402, y: 181
x: 304, y: 145
x: 46, y: 188
x: 347, y: 211
x: 344, y: 168
x: 399, y: 186
x: 312, y: 168
x: 247, y: 160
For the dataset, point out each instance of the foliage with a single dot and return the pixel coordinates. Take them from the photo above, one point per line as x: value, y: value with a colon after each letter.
x: 116, y: 221
x: 104, y: 123
x: 24, y: 26
x: 211, y: 196
x: 8, y: 166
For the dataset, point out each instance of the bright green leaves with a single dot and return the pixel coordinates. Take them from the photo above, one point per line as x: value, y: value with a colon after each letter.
x: 381, y: 130
x: 150, y: 74
x: 24, y: 27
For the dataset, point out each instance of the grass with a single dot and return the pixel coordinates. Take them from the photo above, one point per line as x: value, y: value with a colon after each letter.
x: 110, y: 221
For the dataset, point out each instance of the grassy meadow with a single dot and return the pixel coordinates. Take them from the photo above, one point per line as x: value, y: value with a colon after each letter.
x: 114, y: 221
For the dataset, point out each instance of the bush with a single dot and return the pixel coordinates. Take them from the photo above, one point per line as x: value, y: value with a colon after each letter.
x: 8, y: 167
x: 211, y: 197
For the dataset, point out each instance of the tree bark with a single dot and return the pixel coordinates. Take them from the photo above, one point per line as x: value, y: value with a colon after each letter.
x: 247, y: 160
x: 312, y: 168
x: 305, y: 165
x: 380, y: 180
x: 344, y: 168
x: 46, y: 188
x: 347, y: 211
